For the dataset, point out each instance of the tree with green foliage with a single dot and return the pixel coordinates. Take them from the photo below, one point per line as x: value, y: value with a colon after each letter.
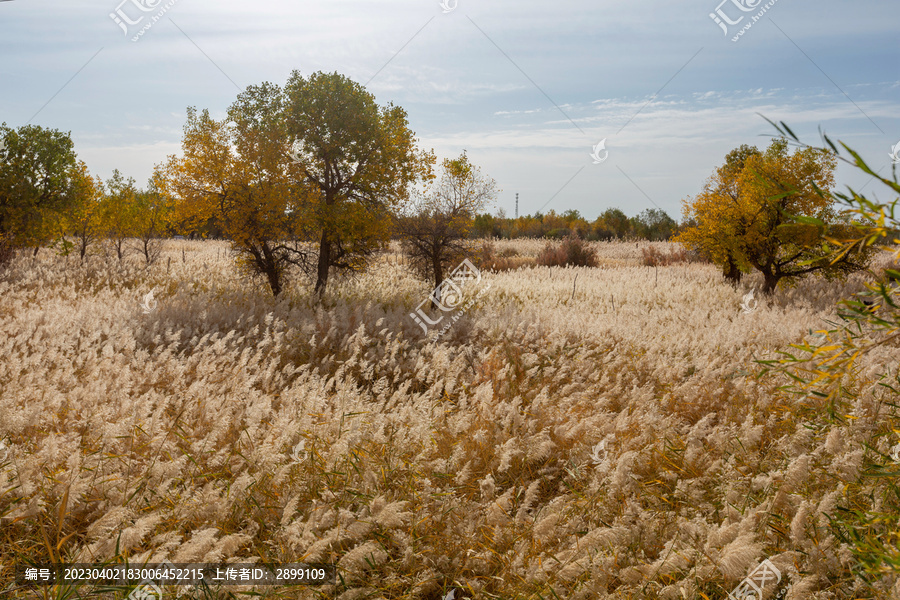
x: 38, y: 174
x: 654, y: 224
x: 358, y: 157
x: 151, y: 210
x: 571, y: 215
x: 485, y: 226
x: 612, y: 223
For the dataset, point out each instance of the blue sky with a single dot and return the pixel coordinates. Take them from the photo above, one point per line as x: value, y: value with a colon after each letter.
x: 527, y: 87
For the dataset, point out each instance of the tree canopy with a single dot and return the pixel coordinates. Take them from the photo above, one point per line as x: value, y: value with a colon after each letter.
x: 39, y: 177
x: 305, y: 175
x: 360, y: 159
x: 238, y: 170
x: 750, y: 215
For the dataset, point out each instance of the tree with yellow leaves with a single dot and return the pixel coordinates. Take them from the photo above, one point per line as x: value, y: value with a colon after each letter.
x: 117, y: 212
x: 435, y: 227
x: 713, y: 220
x: 83, y: 219
x: 769, y: 211
x: 315, y: 163
x: 239, y: 171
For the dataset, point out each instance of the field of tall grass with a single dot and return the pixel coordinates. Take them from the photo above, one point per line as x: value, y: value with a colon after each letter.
x: 579, y: 433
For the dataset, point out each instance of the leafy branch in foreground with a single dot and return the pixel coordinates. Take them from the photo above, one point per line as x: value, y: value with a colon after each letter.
x: 873, y: 319
x: 828, y: 371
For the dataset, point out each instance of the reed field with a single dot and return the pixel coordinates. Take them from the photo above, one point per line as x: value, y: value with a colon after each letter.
x: 577, y: 433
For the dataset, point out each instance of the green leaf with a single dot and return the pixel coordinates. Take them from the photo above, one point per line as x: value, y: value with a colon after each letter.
x: 808, y: 220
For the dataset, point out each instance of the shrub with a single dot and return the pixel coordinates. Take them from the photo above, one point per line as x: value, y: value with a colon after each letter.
x: 488, y: 259
x: 484, y: 253
x: 558, y: 234
x: 572, y: 251
x: 653, y: 257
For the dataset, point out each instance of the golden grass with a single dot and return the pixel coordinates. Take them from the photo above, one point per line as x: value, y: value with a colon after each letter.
x: 465, y: 462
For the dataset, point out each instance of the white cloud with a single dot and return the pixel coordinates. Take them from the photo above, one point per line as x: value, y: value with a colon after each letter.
x: 475, y: 78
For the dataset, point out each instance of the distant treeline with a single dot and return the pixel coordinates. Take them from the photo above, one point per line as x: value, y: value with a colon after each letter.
x: 613, y: 224
x: 652, y: 224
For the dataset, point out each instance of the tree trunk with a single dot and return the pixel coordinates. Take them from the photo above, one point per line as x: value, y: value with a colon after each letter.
x: 271, y: 267
x: 438, y: 277
x: 770, y: 282
x: 274, y: 280
x: 731, y: 271
x: 324, y: 264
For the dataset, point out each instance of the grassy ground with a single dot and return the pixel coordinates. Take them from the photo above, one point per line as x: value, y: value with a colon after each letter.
x: 576, y: 433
